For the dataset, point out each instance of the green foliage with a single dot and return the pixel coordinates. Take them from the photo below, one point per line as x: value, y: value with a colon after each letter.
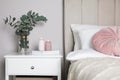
x: 26, y: 22
x: 24, y: 25
x: 24, y: 43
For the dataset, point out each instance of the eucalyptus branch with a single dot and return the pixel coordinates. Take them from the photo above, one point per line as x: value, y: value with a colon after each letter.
x: 24, y: 25
x: 28, y: 20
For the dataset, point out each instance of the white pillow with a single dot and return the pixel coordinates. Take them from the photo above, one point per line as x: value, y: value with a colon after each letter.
x: 77, y: 28
x: 86, y: 37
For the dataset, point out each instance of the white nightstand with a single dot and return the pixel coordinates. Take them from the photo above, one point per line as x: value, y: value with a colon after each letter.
x: 43, y: 64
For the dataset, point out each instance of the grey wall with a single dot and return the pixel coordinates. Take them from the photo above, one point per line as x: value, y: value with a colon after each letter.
x: 51, y: 30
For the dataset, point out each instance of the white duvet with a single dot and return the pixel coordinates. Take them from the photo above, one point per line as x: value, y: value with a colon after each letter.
x: 99, y: 68
x: 86, y: 53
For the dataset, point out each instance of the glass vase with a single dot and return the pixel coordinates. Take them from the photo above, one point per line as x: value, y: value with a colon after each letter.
x: 24, y: 45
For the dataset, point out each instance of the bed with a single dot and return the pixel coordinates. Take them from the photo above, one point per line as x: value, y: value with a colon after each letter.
x: 87, y: 63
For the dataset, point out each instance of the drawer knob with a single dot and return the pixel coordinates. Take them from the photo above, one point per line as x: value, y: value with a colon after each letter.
x: 32, y: 67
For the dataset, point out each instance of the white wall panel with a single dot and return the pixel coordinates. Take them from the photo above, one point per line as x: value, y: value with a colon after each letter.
x: 117, y: 11
x: 106, y: 12
x: 72, y: 16
x: 89, y: 11
x: 73, y: 11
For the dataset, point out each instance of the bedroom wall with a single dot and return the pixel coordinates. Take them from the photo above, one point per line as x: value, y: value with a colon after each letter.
x: 51, y: 30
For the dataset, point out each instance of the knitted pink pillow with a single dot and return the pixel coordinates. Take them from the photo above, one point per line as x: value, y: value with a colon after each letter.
x: 107, y: 41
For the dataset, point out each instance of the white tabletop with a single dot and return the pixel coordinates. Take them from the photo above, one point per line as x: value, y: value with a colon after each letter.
x: 55, y: 53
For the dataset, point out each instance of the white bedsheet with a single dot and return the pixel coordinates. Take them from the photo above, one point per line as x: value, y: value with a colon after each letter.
x: 86, y: 53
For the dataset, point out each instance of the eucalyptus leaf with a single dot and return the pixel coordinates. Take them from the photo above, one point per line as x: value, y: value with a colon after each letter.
x: 14, y: 19
x: 6, y: 20
x: 10, y: 23
x: 10, y: 19
x: 15, y: 26
x: 29, y: 13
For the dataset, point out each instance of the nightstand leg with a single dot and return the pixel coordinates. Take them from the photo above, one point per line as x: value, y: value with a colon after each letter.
x: 14, y: 77
x: 7, y: 77
x: 59, y: 78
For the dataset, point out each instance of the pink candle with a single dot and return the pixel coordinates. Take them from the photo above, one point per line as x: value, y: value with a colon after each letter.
x: 48, y: 45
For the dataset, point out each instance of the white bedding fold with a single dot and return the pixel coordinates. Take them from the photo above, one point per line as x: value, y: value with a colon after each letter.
x: 86, y: 53
x: 105, y: 68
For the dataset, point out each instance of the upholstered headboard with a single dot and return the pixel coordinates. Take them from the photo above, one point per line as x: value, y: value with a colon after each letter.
x: 99, y: 12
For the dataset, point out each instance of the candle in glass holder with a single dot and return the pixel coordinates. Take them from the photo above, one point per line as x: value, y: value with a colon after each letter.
x: 41, y: 45
x: 48, y: 45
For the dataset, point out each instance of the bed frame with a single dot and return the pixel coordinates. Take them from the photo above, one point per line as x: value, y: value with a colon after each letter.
x: 96, y: 12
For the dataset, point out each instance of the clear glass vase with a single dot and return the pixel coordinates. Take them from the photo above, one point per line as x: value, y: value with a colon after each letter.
x: 23, y: 51
x: 24, y: 46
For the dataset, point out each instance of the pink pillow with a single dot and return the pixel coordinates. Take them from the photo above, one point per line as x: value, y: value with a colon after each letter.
x: 107, y: 41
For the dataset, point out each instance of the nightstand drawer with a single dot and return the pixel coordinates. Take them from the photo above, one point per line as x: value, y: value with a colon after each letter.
x: 33, y: 66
